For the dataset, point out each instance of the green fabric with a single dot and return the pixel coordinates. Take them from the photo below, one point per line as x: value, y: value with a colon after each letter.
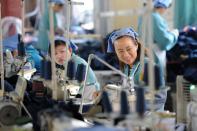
x: 91, y: 79
x: 185, y: 13
x: 44, y: 27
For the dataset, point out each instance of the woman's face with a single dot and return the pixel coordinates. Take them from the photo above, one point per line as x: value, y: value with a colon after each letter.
x: 60, y: 54
x: 126, y: 50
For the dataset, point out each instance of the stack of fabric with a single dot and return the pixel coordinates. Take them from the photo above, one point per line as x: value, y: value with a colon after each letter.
x: 185, y: 53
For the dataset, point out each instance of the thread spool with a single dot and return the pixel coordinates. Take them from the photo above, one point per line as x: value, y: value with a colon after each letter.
x: 47, y: 70
x: 157, y: 74
x: 80, y: 74
x: 21, y: 49
x: 145, y: 77
x: 21, y: 46
x: 106, y: 102
x: 71, y: 70
x: 124, y: 103
x: 140, y: 101
x: 42, y: 70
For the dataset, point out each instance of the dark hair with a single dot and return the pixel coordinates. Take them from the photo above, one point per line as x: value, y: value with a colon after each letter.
x: 121, y: 64
x: 60, y: 5
x: 57, y: 43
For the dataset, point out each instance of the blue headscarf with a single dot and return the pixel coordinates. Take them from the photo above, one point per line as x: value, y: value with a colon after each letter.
x: 162, y: 3
x: 72, y: 45
x: 58, y: 1
x: 117, y: 34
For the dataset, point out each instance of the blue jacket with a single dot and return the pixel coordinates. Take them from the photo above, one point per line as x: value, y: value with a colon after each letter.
x: 163, y: 39
x: 161, y: 36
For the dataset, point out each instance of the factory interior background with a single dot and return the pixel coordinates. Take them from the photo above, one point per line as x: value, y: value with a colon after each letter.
x: 77, y: 65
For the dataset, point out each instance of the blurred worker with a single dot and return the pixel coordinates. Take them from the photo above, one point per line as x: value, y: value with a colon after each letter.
x: 164, y: 39
x: 60, y: 58
x: 44, y: 25
x: 124, y: 43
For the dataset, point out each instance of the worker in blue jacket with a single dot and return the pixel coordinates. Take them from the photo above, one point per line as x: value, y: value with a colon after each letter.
x: 44, y: 24
x: 60, y: 58
x: 164, y: 38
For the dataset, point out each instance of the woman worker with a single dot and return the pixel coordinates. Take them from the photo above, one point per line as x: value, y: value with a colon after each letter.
x: 124, y: 43
x: 164, y: 38
x: 44, y: 24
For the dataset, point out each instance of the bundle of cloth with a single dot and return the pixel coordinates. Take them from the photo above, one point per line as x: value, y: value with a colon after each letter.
x: 185, y: 51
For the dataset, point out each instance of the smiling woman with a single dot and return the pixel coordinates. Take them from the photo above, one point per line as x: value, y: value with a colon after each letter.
x: 126, y: 46
x: 124, y: 43
x: 126, y: 50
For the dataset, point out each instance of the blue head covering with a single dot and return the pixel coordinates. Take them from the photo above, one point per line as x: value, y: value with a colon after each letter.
x: 117, y: 34
x: 72, y: 45
x: 162, y: 3
x: 58, y: 1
